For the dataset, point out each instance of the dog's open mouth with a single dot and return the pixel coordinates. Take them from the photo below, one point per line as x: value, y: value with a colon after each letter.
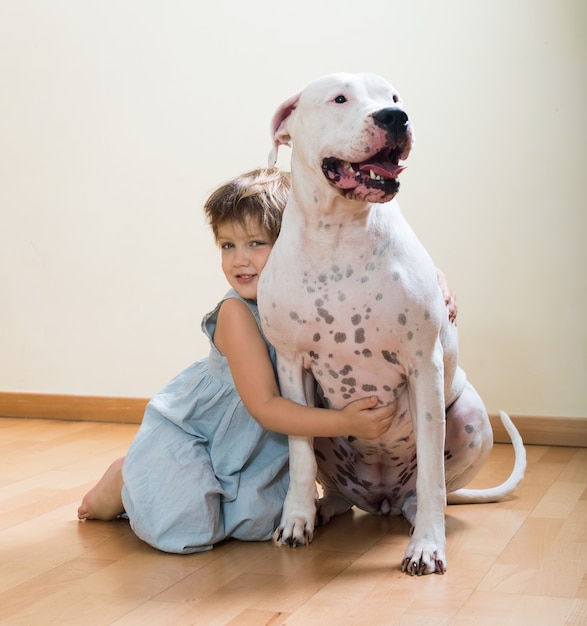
x: 375, y: 176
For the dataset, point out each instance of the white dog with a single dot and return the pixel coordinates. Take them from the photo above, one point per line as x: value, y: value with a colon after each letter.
x: 350, y: 299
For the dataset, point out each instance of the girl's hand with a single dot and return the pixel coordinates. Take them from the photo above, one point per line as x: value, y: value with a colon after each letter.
x: 449, y: 296
x: 365, y: 421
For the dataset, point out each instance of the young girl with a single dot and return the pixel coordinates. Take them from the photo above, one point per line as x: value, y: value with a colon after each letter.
x: 200, y: 468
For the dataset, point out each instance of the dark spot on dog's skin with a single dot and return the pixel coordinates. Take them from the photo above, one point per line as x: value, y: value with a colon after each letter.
x: 360, y: 335
x: 367, y: 353
x: 382, y: 249
x: 322, y: 278
x: 379, y: 296
x: 345, y: 370
x: 341, y: 296
x: 349, y: 381
x: 340, y: 480
x: 356, y: 319
x: 364, y: 279
x: 426, y: 315
x: 370, y: 267
x: 410, y: 335
x: 369, y: 388
x: 316, y: 337
x: 419, y: 353
x: 333, y: 373
x: 406, y: 478
x: 339, y: 337
x: 402, y: 319
x: 336, y: 273
x: 429, y: 417
x: 469, y: 429
x: 310, y: 289
x: 391, y: 357
x: 320, y: 455
x: 349, y: 271
x: 325, y: 315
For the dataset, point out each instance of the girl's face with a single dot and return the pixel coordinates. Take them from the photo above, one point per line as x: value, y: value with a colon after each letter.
x: 245, y: 251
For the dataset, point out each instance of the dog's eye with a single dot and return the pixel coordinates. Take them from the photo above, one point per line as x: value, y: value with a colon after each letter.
x: 340, y: 99
x: 395, y: 98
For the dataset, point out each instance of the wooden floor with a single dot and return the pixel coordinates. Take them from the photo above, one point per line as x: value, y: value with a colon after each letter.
x: 523, y: 561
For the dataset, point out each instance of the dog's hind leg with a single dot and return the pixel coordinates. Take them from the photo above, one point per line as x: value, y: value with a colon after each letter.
x: 332, y: 502
x: 469, y: 439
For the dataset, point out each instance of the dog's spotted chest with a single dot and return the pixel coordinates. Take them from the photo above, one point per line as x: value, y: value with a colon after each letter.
x: 340, y: 318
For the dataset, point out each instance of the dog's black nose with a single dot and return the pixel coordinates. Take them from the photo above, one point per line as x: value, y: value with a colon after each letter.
x: 392, y: 119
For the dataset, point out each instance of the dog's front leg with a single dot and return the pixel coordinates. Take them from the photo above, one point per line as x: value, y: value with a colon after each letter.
x: 299, y: 509
x: 426, y: 551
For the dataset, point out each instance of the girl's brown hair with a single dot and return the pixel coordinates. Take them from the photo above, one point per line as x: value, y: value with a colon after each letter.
x: 260, y: 194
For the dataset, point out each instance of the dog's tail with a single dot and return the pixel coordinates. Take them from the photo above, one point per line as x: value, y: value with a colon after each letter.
x: 493, y: 494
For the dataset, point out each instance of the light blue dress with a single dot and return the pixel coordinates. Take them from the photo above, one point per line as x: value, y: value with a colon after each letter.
x: 200, y: 468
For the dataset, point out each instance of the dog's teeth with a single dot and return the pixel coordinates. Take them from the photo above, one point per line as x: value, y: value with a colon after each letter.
x: 374, y: 176
x: 347, y: 165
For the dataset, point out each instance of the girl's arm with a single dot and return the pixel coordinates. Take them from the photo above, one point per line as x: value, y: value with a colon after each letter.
x: 238, y: 338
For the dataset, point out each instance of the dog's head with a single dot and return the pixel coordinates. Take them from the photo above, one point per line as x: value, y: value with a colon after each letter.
x: 350, y: 127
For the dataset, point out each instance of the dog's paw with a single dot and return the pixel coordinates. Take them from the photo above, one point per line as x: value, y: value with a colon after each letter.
x: 294, y: 532
x: 421, y: 558
x: 330, y: 505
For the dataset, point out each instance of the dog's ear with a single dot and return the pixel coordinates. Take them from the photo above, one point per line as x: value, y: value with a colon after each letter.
x: 279, y: 131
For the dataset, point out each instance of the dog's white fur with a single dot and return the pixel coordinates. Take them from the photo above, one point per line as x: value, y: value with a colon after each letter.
x: 350, y: 299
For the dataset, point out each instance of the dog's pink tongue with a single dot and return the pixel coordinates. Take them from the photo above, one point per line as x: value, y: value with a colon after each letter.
x: 387, y: 170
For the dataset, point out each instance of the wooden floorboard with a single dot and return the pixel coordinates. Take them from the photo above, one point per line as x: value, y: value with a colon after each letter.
x: 521, y: 561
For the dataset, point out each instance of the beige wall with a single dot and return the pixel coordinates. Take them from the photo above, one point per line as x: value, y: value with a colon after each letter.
x: 118, y: 117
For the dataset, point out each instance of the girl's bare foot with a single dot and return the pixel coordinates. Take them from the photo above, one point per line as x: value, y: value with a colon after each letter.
x: 104, y: 501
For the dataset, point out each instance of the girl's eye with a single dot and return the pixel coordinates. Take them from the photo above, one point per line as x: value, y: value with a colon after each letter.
x: 340, y: 99
x: 225, y: 246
